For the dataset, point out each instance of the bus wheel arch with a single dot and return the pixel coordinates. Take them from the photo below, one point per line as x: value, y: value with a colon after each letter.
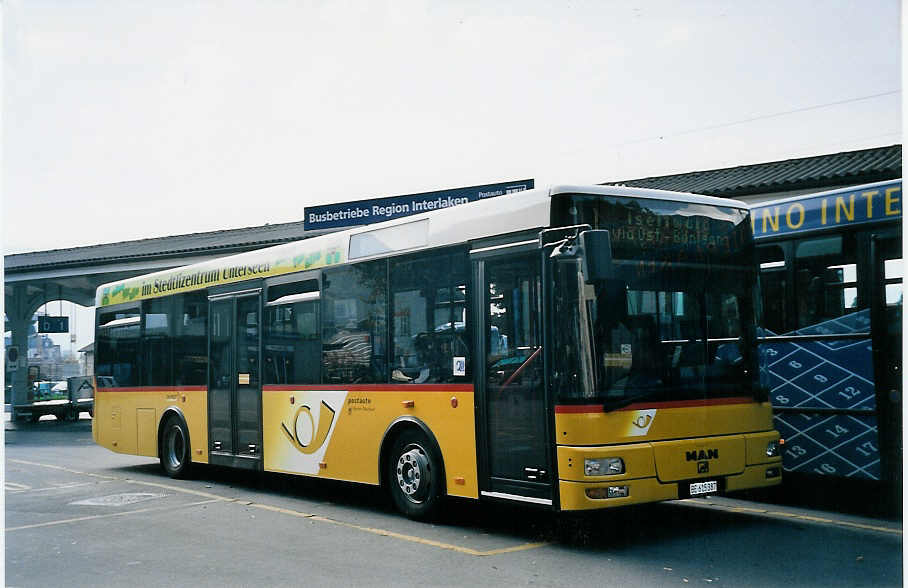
x: 174, y: 447
x: 411, y: 468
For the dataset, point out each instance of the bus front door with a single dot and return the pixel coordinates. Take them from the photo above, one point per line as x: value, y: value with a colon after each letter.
x: 513, y: 421
x: 234, y: 383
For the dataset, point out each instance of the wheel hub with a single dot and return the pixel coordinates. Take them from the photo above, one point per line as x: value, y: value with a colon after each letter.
x: 175, y: 447
x: 413, y: 474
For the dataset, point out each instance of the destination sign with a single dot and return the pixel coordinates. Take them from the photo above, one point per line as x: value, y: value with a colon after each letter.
x: 861, y: 204
x: 364, y: 212
x: 667, y: 231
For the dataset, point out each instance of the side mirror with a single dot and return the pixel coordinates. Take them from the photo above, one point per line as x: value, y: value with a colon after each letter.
x: 597, y: 256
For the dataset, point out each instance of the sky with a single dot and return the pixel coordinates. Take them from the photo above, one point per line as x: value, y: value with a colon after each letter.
x: 126, y: 120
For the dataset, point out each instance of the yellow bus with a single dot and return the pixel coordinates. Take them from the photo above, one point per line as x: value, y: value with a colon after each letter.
x: 575, y: 347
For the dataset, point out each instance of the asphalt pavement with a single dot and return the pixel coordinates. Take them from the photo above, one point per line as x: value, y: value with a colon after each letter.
x: 80, y: 515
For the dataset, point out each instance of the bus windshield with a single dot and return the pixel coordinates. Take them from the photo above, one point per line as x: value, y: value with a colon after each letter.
x: 676, y: 319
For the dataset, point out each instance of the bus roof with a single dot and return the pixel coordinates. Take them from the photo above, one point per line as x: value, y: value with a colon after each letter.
x: 510, y: 213
x: 829, y: 210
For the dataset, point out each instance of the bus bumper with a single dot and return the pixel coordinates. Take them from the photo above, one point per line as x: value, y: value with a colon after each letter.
x: 577, y: 495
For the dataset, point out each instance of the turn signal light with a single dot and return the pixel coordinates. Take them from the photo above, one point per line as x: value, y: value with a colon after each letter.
x: 608, y: 492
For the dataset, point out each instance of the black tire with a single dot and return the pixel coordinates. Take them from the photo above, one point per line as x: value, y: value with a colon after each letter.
x: 415, y: 475
x: 174, y: 452
x: 35, y: 417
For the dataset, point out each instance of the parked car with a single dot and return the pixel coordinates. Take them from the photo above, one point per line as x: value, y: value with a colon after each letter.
x: 65, y: 400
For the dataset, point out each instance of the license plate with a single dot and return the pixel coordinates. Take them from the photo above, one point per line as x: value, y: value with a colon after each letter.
x: 698, y: 488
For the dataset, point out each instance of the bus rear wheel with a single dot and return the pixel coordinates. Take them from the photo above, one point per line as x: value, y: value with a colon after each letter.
x: 174, y: 451
x: 414, y: 476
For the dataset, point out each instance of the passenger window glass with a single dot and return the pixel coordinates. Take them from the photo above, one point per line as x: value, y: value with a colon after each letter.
x: 190, y: 346
x: 292, y: 342
x: 117, y: 343
x: 826, y: 282
x: 354, y: 326
x: 430, y: 340
x: 157, y: 342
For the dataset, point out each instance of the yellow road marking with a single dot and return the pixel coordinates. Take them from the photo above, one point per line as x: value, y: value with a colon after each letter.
x: 795, y: 516
x: 277, y: 509
x: 106, y: 516
x: 401, y: 536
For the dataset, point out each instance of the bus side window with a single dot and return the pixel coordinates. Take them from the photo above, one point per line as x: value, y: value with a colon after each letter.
x: 826, y: 279
x: 157, y: 342
x: 428, y: 307
x: 190, y: 344
x: 293, y: 346
x: 117, y: 357
x: 354, y: 324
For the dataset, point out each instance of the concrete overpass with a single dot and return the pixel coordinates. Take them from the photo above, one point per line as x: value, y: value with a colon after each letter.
x: 34, y: 279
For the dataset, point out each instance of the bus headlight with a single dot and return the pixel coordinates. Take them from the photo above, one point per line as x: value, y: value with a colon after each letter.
x: 772, y: 449
x: 605, y: 466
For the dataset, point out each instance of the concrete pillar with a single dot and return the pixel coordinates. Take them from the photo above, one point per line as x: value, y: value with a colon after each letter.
x: 19, y: 328
x: 19, y: 311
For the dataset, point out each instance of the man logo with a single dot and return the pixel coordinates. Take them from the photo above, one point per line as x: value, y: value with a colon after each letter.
x: 702, y: 454
x: 703, y: 467
x: 304, y: 437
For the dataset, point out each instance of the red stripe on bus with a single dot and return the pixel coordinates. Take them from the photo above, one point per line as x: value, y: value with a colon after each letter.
x: 372, y: 388
x: 594, y: 408
x: 578, y: 408
x: 302, y: 388
x: 155, y: 389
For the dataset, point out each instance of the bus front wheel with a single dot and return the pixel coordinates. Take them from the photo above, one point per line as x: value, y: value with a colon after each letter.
x: 174, y: 451
x: 414, y: 476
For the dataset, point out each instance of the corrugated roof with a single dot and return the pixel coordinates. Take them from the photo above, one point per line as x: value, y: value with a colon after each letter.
x: 848, y: 167
x: 225, y: 241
